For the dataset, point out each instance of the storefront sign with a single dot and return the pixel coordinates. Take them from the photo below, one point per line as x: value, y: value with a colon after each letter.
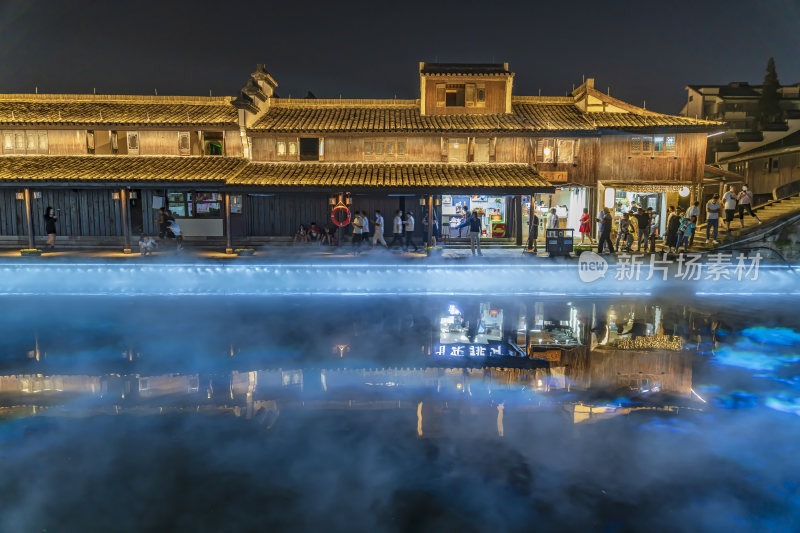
x: 471, y: 351
x: 554, y: 175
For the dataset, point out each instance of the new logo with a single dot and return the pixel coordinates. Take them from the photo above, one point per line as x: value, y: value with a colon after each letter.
x: 591, y: 267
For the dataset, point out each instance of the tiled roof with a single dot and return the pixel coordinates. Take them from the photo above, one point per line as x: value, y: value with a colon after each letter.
x: 87, y: 109
x: 465, y: 68
x: 119, y: 168
x: 649, y: 120
x: 530, y: 114
x: 491, y: 176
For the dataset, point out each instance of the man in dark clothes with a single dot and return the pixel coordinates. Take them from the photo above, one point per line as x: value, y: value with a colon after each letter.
x: 642, y: 228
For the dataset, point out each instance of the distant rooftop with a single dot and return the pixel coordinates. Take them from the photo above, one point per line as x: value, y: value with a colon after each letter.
x: 464, y: 68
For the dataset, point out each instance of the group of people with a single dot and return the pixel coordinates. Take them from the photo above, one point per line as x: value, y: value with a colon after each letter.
x: 168, y: 228
x: 681, y: 226
x: 370, y: 230
x: 313, y: 233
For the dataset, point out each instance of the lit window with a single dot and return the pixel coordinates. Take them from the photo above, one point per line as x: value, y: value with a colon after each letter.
x: 390, y: 148
x: 8, y: 142
x: 292, y: 148
x: 114, y: 141
x: 469, y: 95
x: 90, y: 140
x: 31, y: 142
x: 480, y: 94
x: 43, y: 146
x: 566, y: 150
x: 378, y: 148
x: 647, y: 145
x: 367, y: 147
x: 281, y: 148
x: 658, y: 144
x: 401, y: 148
x: 636, y: 145
x: 670, y: 144
x: 19, y: 142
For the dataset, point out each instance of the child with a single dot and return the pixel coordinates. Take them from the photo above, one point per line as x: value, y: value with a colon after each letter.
x: 146, y: 244
x: 685, y: 231
x: 175, y: 230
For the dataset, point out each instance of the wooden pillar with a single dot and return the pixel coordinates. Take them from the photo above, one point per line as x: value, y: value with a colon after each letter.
x: 228, y: 247
x: 518, y: 219
x: 126, y: 226
x: 430, y: 220
x: 28, y: 223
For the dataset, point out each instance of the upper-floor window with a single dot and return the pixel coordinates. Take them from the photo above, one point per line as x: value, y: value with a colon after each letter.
x: 310, y: 149
x: 652, y: 146
x: 562, y: 151
x: 184, y: 143
x: 455, y: 95
x: 133, y: 142
x: 460, y: 94
x: 287, y: 149
x: 212, y: 143
x: 90, y: 141
x: 384, y: 148
x: 25, y: 142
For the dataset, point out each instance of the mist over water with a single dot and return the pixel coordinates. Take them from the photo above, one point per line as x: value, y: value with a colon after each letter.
x: 208, y: 411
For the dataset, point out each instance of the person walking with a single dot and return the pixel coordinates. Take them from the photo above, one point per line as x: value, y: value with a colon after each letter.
x: 377, y: 236
x: 586, y: 226
x: 713, y: 209
x: 746, y: 202
x: 552, y: 219
x: 50, y: 219
x: 364, y: 227
x: 693, y: 211
x: 605, y: 231
x: 729, y: 205
x: 409, y: 225
x: 624, y: 233
x: 358, y: 231
x: 642, y: 229
x: 533, y: 232
x: 474, y: 224
x: 673, y: 222
x: 163, y: 223
x: 175, y: 231
x: 397, y: 230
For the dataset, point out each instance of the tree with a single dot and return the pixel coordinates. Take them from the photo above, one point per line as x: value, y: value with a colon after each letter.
x: 769, y: 109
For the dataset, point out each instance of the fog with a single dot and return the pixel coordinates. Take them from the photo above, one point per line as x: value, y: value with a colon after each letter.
x: 148, y: 408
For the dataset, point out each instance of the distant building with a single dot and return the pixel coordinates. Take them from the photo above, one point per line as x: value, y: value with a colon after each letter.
x: 766, y: 157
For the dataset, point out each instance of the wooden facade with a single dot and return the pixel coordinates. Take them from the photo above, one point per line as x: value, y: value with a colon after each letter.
x: 466, y: 131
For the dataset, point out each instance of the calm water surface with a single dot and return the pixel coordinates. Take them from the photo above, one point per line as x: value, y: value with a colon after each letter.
x: 398, y: 414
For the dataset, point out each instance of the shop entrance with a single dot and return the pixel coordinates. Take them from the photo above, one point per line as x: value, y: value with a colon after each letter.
x: 491, y: 210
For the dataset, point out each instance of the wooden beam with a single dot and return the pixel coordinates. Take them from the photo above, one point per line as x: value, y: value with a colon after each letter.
x: 28, y: 223
x: 228, y: 247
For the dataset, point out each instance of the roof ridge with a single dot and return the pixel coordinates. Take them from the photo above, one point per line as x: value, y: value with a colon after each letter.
x: 542, y: 100
x: 115, y: 98
x: 343, y: 102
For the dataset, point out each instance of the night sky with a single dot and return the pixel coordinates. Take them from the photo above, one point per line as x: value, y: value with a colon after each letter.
x: 643, y: 50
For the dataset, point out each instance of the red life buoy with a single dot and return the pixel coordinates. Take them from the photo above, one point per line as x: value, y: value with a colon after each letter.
x: 340, y: 207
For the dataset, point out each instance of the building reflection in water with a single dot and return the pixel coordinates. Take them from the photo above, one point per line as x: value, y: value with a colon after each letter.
x: 479, y: 356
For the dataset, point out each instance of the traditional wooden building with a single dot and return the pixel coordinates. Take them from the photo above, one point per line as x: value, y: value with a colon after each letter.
x: 253, y: 167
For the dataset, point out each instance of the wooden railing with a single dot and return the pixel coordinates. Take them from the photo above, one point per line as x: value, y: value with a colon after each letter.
x: 786, y: 190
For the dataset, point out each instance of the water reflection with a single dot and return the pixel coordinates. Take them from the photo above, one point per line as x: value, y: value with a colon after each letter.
x: 357, y: 412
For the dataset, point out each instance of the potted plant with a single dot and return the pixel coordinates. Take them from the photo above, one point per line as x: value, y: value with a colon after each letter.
x: 578, y: 249
x: 433, y: 250
x: 244, y: 251
x: 30, y: 252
